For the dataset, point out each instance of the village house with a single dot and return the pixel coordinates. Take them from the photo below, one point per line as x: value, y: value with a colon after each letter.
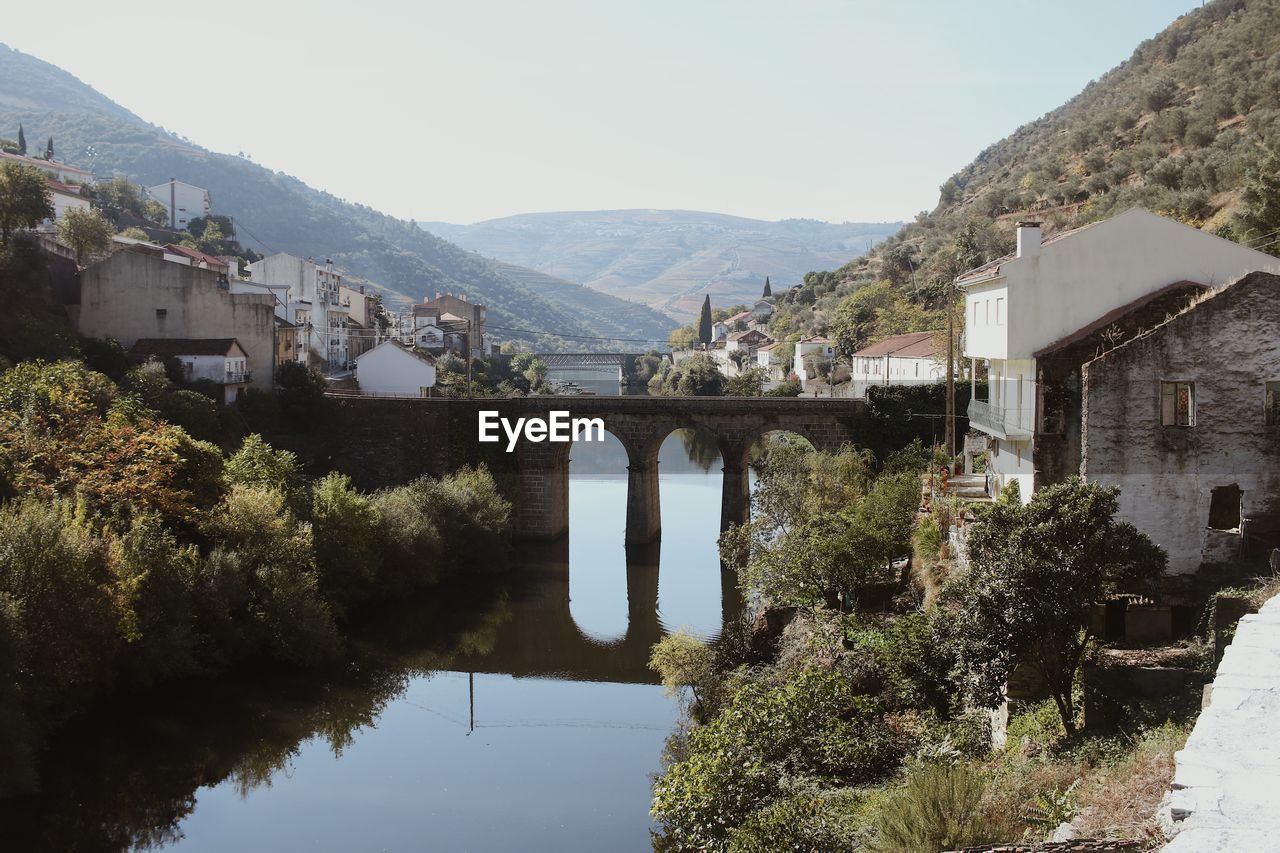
x: 768, y: 361
x: 60, y: 172
x: 460, y: 323
x: 64, y: 197
x: 810, y: 353
x: 221, y: 361
x: 364, y: 328
x: 1033, y: 318
x: 916, y: 358
x: 721, y: 329
x: 314, y: 304
x: 137, y: 294
x: 197, y: 258
x: 182, y: 202
x: 762, y: 310
x: 1185, y: 419
x: 393, y: 368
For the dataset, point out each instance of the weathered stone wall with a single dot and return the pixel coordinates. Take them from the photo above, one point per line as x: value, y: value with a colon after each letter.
x: 133, y: 295
x: 1229, y: 346
x: 1057, y: 450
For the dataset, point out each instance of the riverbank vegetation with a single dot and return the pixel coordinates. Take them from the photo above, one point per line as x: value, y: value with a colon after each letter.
x: 132, y: 552
x: 854, y: 712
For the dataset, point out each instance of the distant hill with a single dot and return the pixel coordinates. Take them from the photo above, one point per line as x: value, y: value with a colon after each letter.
x: 1185, y: 127
x: 667, y: 259
x: 276, y: 212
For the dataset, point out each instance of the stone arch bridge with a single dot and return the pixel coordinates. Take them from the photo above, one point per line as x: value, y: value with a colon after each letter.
x: 381, y: 441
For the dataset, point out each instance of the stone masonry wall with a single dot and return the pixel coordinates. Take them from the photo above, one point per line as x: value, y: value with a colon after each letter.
x: 1229, y: 346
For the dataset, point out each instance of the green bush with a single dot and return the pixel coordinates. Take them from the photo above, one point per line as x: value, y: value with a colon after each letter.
x: 195, y: 413
x: 939, y: 808
x: 348, y: 554
x: 807, y: 822
x: 813, y: 726
x: 261, y: 544
x: 257, y: 463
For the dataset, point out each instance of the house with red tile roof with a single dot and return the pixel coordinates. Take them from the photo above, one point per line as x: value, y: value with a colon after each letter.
x: 916, y: 358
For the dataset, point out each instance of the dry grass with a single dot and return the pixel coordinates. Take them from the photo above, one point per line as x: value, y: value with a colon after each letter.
x: 1120, y: 800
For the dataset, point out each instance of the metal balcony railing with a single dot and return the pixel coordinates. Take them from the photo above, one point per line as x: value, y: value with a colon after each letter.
x: 234, y: 378
x: 999, y: 421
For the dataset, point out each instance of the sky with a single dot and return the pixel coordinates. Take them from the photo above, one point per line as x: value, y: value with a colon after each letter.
x: 847, y: 110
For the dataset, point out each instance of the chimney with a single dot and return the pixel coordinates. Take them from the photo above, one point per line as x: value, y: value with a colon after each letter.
x: 1028, y: 239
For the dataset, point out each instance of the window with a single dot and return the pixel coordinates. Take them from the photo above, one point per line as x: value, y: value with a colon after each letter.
x: 986, y: 312
x: 999, y: 310
x: 1272, y: 413
x: 1177, y: 404
x: 975, y: 312
x: 162, y: 312
x: 1224, y: 507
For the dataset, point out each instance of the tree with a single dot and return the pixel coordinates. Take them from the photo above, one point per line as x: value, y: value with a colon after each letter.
x: 682, y: 660
x: 683, y: 338
x: 259, y: 464
x: 1260, y: 202
x: 1034, y: 571
x: 22, y: 141
x: 704, y: 322
x: 768, y: 291
x: 87, y: 232
x: 48, y: 150
x: 24, y: 198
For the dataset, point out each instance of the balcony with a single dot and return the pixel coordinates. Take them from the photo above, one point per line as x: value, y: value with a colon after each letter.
x: 234, y: 378
x: 996, y: 420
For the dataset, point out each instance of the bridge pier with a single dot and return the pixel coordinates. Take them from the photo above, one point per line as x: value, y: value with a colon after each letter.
x: 543, y: 486
x: 735, y: 496
x: 644, y: 508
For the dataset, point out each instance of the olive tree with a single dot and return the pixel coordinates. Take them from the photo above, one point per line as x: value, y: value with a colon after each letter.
x: 86, y: 231
x: 24, y: 198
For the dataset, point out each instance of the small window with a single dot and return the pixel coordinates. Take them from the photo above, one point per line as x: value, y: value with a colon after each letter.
x: 1273, y: 403
x: 975, y: 312
x: 1224, y: 507
x: 999, y: 311
x: 162, y: 312
x: 1177, y: 404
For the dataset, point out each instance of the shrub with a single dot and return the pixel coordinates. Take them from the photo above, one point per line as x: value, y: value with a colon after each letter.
x: 813, y: 726
x: 345, y: 526
x: 194, y: 412
x: 939, y: 808
x: 269, y: 552
x: 804, y: 822
x: 257, y: 463
x: 682, y: 660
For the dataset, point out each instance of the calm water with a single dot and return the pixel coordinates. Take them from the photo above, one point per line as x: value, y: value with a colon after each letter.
x: 511, y: 713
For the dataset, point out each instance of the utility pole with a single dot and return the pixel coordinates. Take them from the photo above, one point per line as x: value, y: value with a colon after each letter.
x: 951, y: 373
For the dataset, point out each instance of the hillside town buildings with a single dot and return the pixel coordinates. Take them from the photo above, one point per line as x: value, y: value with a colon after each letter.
x: 182, y: 202
x: 1033, y: 318
x: 917, y: 358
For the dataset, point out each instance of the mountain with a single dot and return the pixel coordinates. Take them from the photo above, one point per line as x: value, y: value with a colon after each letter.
x: 276, y: 212
x: 1188, y: 127
x: 668, y: 259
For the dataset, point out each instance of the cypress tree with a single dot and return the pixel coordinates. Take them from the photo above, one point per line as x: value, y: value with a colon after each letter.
x: 704, y: 322
x: 22, y: 141
x: 48, y: 151
x: 768, y: 291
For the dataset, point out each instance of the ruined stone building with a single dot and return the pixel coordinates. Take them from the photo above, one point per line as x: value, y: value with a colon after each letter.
x: 1185, y: 419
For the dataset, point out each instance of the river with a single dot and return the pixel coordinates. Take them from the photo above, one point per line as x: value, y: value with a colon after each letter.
x: 504, y: 712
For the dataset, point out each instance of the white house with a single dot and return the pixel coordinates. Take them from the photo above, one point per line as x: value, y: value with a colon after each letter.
x: 393, y: 368
x: 762, y: 310
x: 65, y: 197
x: 182, y: 202
x: 221, y: 361
x: 314, y: 305
x: 916, y: 358
x: 60, y: 172
x: 809, y: 352
x: 767, y: 360
x: 1028, y: 306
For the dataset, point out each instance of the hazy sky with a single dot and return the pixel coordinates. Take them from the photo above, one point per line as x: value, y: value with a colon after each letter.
x: 462, y: 111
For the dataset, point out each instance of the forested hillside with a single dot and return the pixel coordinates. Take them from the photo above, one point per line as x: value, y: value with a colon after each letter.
x: 1187, y: 127
x: 276, y: 212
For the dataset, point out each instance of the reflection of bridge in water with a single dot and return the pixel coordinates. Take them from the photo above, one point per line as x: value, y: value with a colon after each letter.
x: 541, y: 638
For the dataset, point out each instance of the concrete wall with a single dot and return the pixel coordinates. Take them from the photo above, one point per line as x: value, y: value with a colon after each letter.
x: 1229, y: 346
x: 133, y: 295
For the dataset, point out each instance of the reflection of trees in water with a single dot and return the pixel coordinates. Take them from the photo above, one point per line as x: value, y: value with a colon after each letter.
x: 131, y: 787
x: 760, y: 447
x: 701, y: 447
